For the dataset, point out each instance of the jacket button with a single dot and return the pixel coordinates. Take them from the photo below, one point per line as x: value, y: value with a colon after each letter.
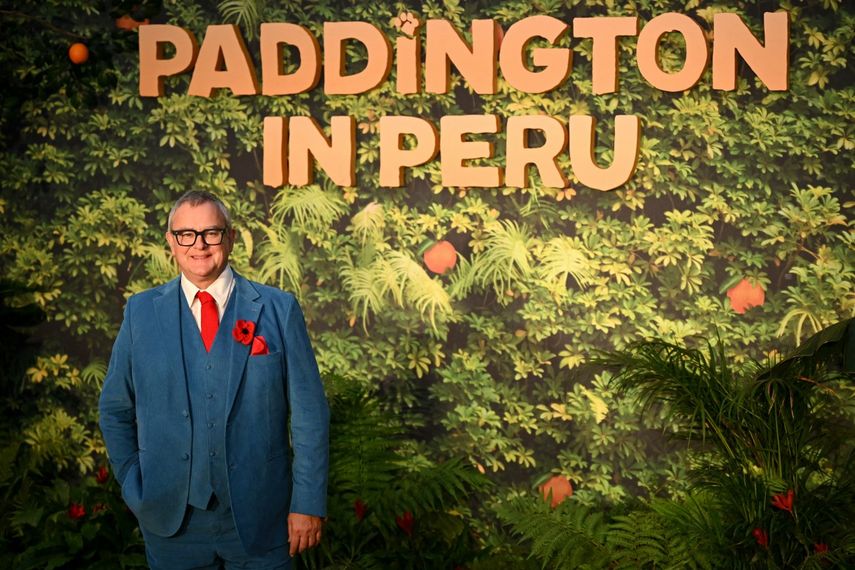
x: 185, y: 413
x: 213, y: 453
x: 210, y: 395
x: 185, y: 457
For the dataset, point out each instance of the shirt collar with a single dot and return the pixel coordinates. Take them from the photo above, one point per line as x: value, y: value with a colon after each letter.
x: 219, y: 289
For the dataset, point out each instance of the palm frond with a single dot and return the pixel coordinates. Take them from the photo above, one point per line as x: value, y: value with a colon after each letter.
x: 423, y: 292
x: 244, y: 13
x: 368, y: 223
x: 698, y: 388
x: 769, y: 430
x: 159, y: 265
x: 311, y: 207
x: 562, y: 257
x: 368, y: 286
x: 94, y: 372
x: 505, y: 261
x: 395, y: 277
x: 280, y: 252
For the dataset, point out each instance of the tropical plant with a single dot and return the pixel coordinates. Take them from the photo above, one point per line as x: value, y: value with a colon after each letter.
x: 390, y: 506
x: 771, y: 468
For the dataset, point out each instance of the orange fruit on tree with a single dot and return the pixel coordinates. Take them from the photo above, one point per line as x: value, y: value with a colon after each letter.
x: 440, y: 257
x: 127, y: 23
x: 560, y: 488
x: 78, y: 53
x: 744, y: 295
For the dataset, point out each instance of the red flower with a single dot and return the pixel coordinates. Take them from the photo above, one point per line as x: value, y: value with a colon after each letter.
x: 244, y: 331
x: 820, y: 548
x: 405, y: 521
x: 259, y: 346
x: 784, y: 501
x: 76, y: 511
x: 102, y: 475
x: 761, y: 537
x: 360, y: 508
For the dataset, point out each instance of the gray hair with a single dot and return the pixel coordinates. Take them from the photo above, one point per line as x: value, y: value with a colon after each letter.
x: 196, y: 197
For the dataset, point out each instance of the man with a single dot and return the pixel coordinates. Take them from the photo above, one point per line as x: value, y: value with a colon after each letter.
x: 195, y: 409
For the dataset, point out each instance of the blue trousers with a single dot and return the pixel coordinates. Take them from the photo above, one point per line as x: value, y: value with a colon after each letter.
x: 207, y: 540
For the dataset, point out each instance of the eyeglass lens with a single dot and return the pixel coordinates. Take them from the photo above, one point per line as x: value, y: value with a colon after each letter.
x: 188, y: 238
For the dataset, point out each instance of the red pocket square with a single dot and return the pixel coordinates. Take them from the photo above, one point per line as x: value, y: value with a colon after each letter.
x: 259, y: 346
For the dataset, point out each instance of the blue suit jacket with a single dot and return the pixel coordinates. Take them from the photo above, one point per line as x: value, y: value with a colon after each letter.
x: 145, y: 415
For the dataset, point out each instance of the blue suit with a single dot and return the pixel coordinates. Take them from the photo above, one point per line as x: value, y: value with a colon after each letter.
x: 147, y: 425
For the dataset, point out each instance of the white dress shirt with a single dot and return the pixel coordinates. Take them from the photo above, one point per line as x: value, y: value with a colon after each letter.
x: 220, y: 290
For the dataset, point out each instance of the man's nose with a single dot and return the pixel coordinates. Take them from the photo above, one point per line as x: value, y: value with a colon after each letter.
x: 200, y: 243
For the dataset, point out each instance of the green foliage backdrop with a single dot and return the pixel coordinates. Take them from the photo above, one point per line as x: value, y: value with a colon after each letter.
x: 489, y: 358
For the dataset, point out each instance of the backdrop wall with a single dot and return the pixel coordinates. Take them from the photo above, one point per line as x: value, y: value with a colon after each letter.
x: 736, y: 227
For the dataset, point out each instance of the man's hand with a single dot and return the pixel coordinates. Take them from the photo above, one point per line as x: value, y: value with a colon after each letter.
x: 304, y: 532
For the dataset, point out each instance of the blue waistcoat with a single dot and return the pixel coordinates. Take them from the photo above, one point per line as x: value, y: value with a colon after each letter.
x: 207, y: 380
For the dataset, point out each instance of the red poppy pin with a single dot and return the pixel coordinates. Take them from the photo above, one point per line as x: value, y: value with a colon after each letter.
x: 244, y: 333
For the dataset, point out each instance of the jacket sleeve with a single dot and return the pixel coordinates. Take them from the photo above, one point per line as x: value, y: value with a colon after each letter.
x: 117, y: 404
x: 309, y: 418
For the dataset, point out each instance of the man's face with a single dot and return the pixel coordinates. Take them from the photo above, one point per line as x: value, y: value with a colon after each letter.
x: 200, y: 263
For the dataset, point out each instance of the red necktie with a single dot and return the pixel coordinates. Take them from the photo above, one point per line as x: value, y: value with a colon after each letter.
x: 210, y: 318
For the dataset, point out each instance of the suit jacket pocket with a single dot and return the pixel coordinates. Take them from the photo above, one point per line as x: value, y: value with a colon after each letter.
x: 132, y: 488
x: 270, y: 359
x: 266, y: 374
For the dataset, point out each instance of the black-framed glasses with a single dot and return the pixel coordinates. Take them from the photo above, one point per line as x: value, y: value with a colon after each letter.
x: 211, y: 236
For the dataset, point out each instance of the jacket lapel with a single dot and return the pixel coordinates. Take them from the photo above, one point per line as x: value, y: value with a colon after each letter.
x: 246, y: 309
x: 166, y: 310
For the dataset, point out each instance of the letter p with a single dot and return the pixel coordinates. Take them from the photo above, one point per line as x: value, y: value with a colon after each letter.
x: 153, y: 66
x: 393, y: 158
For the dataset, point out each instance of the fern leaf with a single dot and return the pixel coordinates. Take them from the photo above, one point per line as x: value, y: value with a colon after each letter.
x: 570, y: 536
